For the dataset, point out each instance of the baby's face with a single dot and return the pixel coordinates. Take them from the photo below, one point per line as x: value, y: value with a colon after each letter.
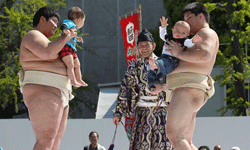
x: 180, y: 31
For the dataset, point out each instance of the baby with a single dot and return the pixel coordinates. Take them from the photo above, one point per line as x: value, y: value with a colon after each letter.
x: 76, y: 18
x: 167, y: 63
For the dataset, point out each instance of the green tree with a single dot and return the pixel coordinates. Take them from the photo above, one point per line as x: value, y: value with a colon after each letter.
x: 15, y: 20
x: 232, y: 57
x: 230, y: 20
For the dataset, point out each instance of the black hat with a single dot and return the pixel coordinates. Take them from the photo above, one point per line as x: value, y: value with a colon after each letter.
x: 145, y: 35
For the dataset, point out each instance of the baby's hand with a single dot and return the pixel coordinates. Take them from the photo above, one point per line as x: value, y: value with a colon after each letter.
x: 164, y: 21
x: 196, y: 39
x: 79, y: 39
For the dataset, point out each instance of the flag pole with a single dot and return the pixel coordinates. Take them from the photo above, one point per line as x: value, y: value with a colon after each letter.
x: 140, y: 17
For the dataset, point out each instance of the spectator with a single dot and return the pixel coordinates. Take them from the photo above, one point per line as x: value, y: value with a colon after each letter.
x: 204, y: 148
x: 93, y: 138
x: 217, y: 147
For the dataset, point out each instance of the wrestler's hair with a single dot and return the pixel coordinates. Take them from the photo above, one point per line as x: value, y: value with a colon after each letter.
x: 92, y: 133
x: 197, y: 8
x: 46, y: 12
x: 75, y: 13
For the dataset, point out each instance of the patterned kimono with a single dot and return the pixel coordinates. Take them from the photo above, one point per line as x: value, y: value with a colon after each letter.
x: 148, y: 132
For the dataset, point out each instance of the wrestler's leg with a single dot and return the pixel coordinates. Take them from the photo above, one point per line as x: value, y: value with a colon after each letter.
x: 45, y: 111
x: 190, y: 132
x: 62, y: 128
x: 78, y: 73
x: 69, y: 62
x: 181, y: 117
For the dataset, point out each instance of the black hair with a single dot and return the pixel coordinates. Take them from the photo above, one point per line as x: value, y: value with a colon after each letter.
x: 46, y: 12
x: 202, y: 147
x: 92, y: 133
x: 197, y: 8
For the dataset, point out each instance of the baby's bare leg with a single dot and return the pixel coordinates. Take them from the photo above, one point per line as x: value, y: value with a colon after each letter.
x: 78, y: 73
x: 69, y: 62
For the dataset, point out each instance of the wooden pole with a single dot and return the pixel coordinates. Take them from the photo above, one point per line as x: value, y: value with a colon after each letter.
x: 140, y: 18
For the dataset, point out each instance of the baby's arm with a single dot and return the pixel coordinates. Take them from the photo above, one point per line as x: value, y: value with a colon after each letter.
x: 163, y: 27
x: 162, y: 32
x: 191, y: 42
x: 196, y: 39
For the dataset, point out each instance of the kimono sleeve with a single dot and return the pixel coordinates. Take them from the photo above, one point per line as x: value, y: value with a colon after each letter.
x: 126, y: 94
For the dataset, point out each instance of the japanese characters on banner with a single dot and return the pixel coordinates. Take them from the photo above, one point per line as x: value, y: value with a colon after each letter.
x: 130, y: 31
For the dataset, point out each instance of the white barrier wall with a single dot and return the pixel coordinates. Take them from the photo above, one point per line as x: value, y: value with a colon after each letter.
x: 16, y: 134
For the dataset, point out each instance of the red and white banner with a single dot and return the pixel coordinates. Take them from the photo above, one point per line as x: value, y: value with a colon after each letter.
x: 130, y: 31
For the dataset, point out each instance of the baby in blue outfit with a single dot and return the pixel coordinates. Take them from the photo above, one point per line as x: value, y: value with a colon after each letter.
x: 68, y: 53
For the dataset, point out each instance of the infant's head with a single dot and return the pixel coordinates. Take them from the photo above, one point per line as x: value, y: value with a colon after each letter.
x: 180, y: 30
x: 77, y: 16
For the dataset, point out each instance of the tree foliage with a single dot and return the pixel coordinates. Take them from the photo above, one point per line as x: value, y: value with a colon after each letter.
x: 233, y: 55
x: 230, y: 19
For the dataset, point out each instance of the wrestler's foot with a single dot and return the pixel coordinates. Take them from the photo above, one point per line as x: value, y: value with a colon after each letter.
x: 152, y: 64
x: 82, y: 83
x: 158, y: 88
x: 75, y: 83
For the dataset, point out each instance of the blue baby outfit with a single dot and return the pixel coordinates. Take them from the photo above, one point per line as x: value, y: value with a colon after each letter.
x: 68, y: 24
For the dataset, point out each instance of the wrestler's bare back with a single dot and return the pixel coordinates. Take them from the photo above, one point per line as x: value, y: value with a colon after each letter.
x: 33, y: 59
x: 211, y: 44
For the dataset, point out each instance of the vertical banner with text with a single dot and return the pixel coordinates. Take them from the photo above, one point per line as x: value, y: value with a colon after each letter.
x: 130, y: 31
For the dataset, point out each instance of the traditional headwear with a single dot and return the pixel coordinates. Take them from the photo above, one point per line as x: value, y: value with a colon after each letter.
x: 145, y: 35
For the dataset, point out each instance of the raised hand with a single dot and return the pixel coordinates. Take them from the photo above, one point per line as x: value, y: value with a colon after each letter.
x: 164, y: 21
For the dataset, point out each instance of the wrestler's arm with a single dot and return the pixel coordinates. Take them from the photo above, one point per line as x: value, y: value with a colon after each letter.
x: 196, y: 54
x: 42, y: 47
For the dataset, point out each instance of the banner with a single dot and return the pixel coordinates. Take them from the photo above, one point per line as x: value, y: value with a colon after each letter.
x: 130, y: 31
x: 129, y: 121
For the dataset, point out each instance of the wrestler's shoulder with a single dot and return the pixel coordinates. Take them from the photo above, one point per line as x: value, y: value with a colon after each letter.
x: 33, y: 33
x: 208, y: 31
